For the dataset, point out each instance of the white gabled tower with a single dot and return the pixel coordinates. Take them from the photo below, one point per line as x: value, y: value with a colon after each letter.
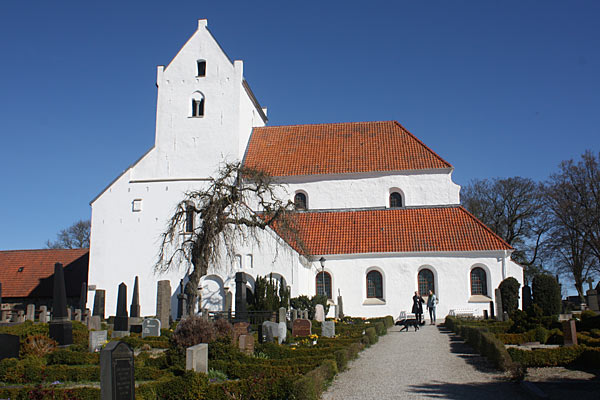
x: 205, y: 113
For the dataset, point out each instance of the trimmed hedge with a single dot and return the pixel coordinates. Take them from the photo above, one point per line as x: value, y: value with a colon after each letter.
x: 50, y: 393
x: 563, y: 356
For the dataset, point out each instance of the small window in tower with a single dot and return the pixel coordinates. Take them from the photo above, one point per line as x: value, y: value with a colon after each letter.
x: 197, y: 107
x: 201, y: 68
x: 189, y: 218
x: 136, y: 205
x: 300, y: 201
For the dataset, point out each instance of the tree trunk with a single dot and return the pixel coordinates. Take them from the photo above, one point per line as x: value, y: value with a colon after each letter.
x: 191, y: 287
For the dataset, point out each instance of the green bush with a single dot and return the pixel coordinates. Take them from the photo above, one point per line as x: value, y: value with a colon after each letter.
x: 541, y: 334
x: 546, y: 294
x: 68, y: 357
x: 50, y: 393
x: 509, y: 289
x: 189, y: 386
x: 371, y: 334
x: 561, y: 356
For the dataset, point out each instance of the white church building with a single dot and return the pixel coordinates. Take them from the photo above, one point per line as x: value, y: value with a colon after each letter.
x: 374, y: 201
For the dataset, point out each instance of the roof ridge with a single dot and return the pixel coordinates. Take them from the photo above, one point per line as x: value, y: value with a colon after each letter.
x: 31, y: 250
x: 478, y: 221
x: 423, y: 144
x: 323, y: 123
x: 380, y: 208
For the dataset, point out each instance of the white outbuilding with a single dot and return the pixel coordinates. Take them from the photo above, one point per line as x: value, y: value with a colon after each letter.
x: 373, y: 201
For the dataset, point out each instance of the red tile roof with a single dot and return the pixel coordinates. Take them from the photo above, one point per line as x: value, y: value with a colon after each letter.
x: 442, y: 229
x: 36, y: 278
x: 338, y: 149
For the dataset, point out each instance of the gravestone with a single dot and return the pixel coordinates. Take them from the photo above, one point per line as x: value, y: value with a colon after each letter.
x: 281, y: 332
x: 328, y: 329
x: 240, y: 328
x: 20, y: 316
x: 505, y: 316
x: 95, y: 323
x: 240, y: 297
x: 228, y: 300
x: 301, y: 327
x: 196, y: 358
x: 117, y: 372
x: 205, y: 314
x: 121, y: 326
x: 485, y: 314
x: 135, y: 325
x: 134, y: 310
x: 261, y: 333
x: 526, y: 297
x: 592, y: 296
x: 60, y: 328
x: 30, y: 312
x: 270, y: 330
x: 340, y: 304
x: 0, y: 295
x: 564, y: 317
x: 569, y: 333
x: 246, y: 344
x: 43, y: 314
x: 336, y: 315
x: 492, y: 315
x: 181, y: 306
x: 319, y: 313
x: 69, y: 313
x: 6, y: 314
x: 163, y: 303
x: 97, y: 340
x: 83, y: 296
x: 499, y: 310
x: 150, y: 327
x: 99, y: 301
x: 9, y: 346
x: 282, y: 314
x: 294, y: 315
x: 77, y: 315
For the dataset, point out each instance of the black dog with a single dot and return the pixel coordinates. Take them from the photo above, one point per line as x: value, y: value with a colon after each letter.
x: 406, y: 323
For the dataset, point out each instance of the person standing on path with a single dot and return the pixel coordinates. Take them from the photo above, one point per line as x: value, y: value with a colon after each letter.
x: 431, y: 303
x: 417, y: 307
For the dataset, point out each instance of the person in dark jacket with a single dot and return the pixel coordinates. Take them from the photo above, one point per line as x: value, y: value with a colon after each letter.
x: 417, y: 307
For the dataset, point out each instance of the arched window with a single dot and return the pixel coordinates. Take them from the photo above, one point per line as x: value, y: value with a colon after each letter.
x: 425, y: 282
x: 201, y: 67
x: 478, y: 282
x: 300, y: 201
x: 323, y: 281
x: 189, y: 218
x: 374, y: 285
x: 395, y: 200
x: 198, y: 105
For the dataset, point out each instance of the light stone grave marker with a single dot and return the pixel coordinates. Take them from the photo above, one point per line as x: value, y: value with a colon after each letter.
x: 570, y: 333
x: 78, y: 315
x: 328, y: 329
x: 196, y: 358
x: 281, y: 332
x: 270, y: 330
x: 319, y: 313
x: 43, y: 314
x: 246, y: 344
x: 282, y: 314
x: 97, y: 340
x: 30, y: 312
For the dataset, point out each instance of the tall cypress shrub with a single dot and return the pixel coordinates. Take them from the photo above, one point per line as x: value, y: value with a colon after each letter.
x: 546, y: 294
x: 509, y: 289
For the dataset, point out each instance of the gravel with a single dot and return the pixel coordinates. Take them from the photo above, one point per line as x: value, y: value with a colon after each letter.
x: 429, y: 363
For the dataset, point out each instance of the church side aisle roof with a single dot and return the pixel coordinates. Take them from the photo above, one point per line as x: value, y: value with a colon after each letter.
x: 30, y: 272
x: 338, y: 148
x: 440, y: 229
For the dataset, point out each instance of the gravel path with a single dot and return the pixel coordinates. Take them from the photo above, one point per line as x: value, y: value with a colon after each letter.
x: 430, y: 363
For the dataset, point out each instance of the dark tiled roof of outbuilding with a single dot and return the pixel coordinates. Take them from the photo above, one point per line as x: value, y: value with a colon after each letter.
x: 36, y: 276
x: 338, y: 148
x: 438, y: 229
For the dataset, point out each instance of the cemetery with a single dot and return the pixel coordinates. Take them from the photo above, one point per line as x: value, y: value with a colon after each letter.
x: 537, y: 335
x: 291, y: 353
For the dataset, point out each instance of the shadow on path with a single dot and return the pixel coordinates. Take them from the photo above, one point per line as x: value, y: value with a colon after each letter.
x: 459, y: 347
x: 487, y: 391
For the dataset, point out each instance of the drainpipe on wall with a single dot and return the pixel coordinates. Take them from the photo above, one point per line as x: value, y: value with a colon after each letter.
x: 504, y: 265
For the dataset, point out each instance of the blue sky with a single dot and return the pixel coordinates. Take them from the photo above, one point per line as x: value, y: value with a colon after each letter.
x: 497, y: 88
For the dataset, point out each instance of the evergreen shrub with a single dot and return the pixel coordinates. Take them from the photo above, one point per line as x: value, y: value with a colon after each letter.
x: 509, y: 289
x: 546, y: 294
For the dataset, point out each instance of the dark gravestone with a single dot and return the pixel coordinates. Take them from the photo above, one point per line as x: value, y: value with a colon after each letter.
x: 261, y: 334
x: 492, y: 315
x: 117, y: 372
x: 9, y: 346
x: 134, y: 310
x: 181, y: 306
x: 163, y: 303
x: 121, y: 319
x: 150, y: 327
x: 526, y: 297
x: 99, y: 300
x: 485, y: 314
x: 569, y: 333
x: 83, y: 296
x: 301, y: 327
x: 240, y: 297
x: 60, y: 328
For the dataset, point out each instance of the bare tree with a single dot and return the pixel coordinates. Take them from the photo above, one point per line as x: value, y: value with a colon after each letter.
x: 77, y: 236
x: 513, y: 209
x: 573, y: 197
x: 235, y: 205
